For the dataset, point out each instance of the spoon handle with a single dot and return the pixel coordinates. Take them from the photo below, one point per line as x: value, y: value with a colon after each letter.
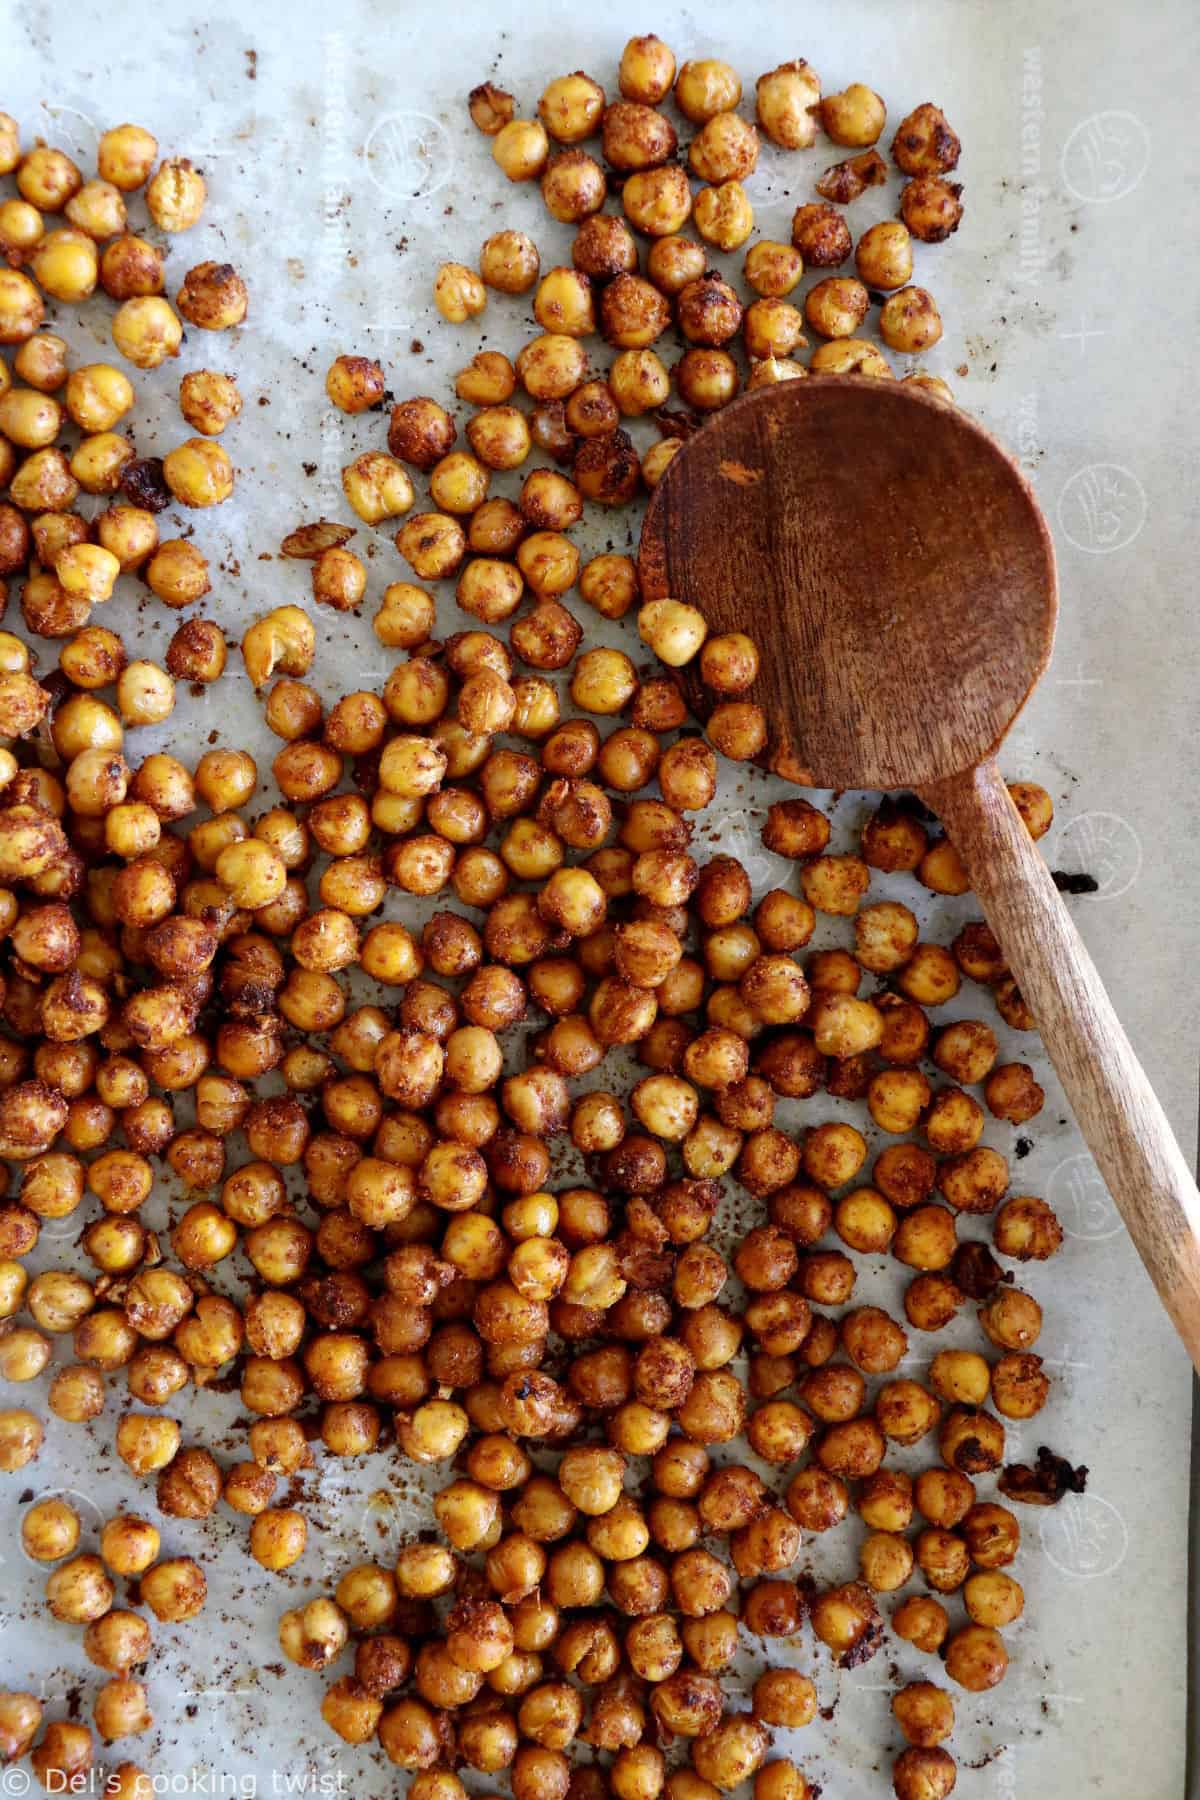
x: 1118, y: 1113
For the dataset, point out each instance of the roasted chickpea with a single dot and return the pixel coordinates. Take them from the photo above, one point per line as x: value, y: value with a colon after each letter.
x: 924, y: 143
x: 658, y: 201
x: 125, y: 156
x: 521, y: 149
x: 931, y: 208
x: 146, y: 331
x: 786, y: 102
x: 458, y: 293
x: 21, y: 307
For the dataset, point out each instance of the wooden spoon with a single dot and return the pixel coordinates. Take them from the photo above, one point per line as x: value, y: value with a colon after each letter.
x: 892, y: 564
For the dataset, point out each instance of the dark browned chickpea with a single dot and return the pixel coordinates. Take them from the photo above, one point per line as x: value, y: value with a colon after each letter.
x: 931, y: 208
x: 1012, y: 1093
x: 821, y: 235
x: 924, y: 144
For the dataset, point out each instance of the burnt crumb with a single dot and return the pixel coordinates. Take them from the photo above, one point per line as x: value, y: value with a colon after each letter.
x: 1022, y: 1147
x: 416, y: 347
x: 26, y: 1496
x: 676, y: 424
x: 251, y: 64
x: 864, y: 1649
x: 1046, y: 1482
x: 144, y: 484
x: 1074, y: 884
x: 191, y: 1709
x: 309, y: 468
x: 975, y: 1270
x: 988, y: 1757
x: 74, y: 1702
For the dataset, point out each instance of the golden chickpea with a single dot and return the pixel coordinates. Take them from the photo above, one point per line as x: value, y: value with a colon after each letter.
x: 121, y: 1709
x: 646, y: 70
x: 458, y: 293
x: 29, y: 419
x: 909, y: 321
x: 993, y: 1599
x: 176, y: 195
x: 42, y: 362
x: 146, y: 331
x: 724, y: 149
x: 1034, y: 805
x: 850, y: 356
x: 10, y: 144
x: 571, y: 106
x: 130, y: 533
x: 932, y: 384
x: 99, y: 464
x: 96, y: 396
x: 21, y: 1434
x: 97, y: 209
x: 80, y: 1590
x: 47, y: 178
x: 771, y: 328
x: 50, y: 1529
x: 883, y: 256
x: 178, y: 574
x: 21, y: 308
x: 66, y: 265
x: 658, y: 201
x: 885, y: 1561
x: 199, y: 473
x: 21, y: 228
x: 1027, y: 1229
x: 132, y: 268
x: 125, y: 156
x: 724, y: 216
x: 837, y: 306
x: 22, y: 1354
x: 20, y: 1716
x: 174, y: 1589
x: 128, y: 1544
x: 786, y: 102
x: 76, y: 1394
x: 64, y: 1758
x: 278, y: 1537
x: 521, y: 149
x: 44, y: 483
x: 976, y: 1658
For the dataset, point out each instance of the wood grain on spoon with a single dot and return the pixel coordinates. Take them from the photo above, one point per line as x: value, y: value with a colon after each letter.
x: 891, y: 562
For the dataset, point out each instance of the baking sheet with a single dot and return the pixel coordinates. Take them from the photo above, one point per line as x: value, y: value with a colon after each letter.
x: 342, y: 169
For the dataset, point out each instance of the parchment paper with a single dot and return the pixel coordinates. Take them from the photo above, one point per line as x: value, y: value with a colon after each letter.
x: 342, y: 168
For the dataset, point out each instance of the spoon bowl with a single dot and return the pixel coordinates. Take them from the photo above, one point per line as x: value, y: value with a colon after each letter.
x: 891, y: 545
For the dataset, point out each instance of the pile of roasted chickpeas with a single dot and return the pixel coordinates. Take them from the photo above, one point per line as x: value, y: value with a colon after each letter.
x: 638, y: 1432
